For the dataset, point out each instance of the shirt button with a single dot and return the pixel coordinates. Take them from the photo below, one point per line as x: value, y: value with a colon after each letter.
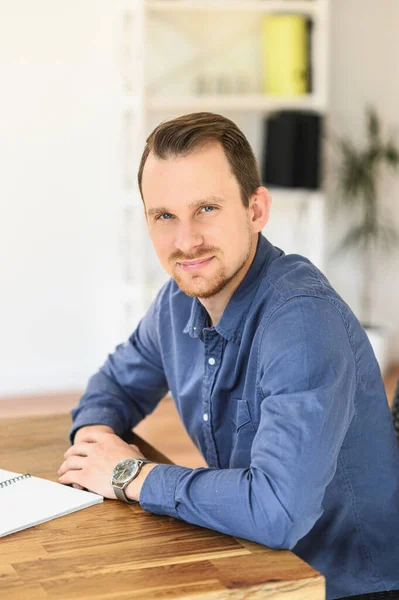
x: 211, y: 361
x: 205, y: 417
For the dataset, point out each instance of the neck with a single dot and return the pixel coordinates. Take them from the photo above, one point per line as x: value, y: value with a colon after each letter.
x: 216, y: 305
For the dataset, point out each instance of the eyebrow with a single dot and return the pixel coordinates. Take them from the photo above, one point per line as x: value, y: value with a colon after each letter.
x: 194, y: 204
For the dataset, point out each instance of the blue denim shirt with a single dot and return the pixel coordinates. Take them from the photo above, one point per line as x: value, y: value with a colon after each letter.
x: 285, y: 401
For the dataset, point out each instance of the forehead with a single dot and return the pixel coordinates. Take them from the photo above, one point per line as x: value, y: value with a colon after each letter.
x: 203, y: 173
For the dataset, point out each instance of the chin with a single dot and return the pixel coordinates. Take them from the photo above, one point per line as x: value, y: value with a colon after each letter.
x: 204, y: 289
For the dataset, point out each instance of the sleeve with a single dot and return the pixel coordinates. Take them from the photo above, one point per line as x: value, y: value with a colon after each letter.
x: 130, y: 383
x: 307, y: 378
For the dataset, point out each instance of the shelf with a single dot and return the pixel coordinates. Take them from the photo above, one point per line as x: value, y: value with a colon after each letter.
x: 166, y: 94
x: 250, y: 102
x: 260, y: 6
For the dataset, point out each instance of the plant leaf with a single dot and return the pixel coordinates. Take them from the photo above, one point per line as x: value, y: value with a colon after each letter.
x: 357, y: 236
x: 391, y: 155
x: 388, y: 236
x: 356, y: 178
x: 373, y: 124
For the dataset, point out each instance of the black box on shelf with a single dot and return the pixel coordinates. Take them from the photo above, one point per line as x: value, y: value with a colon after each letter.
x: 292, y: 149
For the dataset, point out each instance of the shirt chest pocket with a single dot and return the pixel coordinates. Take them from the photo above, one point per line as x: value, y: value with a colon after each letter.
x: 243, y: 435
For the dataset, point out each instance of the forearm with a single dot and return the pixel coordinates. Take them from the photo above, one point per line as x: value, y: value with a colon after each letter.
x: 126, y: 389
x: 238, y: 502
x: 105, y: 403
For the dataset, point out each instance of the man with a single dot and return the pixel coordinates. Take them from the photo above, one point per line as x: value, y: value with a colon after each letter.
x: 272, y: 374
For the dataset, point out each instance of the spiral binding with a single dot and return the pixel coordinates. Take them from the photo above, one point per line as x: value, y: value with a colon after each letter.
x: 7, y: 482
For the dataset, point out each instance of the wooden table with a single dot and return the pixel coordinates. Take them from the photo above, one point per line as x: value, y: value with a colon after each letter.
x: 115, y: 550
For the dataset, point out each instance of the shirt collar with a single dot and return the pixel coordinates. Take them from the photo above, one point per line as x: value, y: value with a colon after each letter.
x: 232, y: 320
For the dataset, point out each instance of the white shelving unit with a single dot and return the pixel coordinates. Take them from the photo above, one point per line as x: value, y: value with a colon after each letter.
x: 140, y: 100
x: 247, y: 102
x: 309, y: 7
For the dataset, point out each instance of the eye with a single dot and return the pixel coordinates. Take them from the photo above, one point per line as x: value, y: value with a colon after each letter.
x: 169, y: 216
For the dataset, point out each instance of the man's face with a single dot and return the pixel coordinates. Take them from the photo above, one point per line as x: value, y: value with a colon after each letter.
x: 195, y: 213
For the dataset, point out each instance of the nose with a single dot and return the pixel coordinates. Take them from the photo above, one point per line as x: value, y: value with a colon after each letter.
x: 188, y: 237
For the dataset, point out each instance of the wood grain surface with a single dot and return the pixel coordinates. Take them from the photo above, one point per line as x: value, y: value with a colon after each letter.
x: 115, y: 550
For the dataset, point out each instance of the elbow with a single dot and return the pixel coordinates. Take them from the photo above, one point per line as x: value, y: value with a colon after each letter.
x: 286, y: 537
x: 281, y: 537
x: 282, y: 540
x: 276, y: 531
x: 291, y: 539
x: 273, y: 524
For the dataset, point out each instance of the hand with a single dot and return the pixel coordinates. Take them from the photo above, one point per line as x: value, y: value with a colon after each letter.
x: 90, y: 428
x: 82, y: 431
x: 90, y: 461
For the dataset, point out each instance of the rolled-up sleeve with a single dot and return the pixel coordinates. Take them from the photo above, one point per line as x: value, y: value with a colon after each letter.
x: 306, y: 380
x: 130, y: 383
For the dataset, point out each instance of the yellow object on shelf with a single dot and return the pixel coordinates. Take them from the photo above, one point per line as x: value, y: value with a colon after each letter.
x: 285, y: 54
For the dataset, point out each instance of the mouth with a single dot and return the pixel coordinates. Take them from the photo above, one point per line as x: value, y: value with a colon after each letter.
x: 195, y: 264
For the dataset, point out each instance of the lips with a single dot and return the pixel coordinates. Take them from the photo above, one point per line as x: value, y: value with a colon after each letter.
x: 196, y: 264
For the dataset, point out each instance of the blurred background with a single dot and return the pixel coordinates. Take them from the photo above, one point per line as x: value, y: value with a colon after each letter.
x: 83, y: 84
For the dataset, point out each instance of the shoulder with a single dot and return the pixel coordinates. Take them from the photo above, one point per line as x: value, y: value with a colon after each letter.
x: 293, y: 291
x: 304, y: 325
x: 290, y: 278
x: 294, y: 275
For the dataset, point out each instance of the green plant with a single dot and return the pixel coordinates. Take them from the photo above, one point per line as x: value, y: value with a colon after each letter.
x: 358, y: 181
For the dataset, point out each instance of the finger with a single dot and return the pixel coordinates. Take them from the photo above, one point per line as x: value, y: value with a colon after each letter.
x: 73, y: 463
x: 79, y: 449
x: 77, y: 486
x: 72, y: 478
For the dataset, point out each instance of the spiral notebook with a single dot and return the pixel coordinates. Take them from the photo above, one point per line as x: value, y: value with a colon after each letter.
x: 26, y: 501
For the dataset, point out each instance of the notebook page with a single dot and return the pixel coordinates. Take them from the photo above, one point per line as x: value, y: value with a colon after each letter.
x: 31, y: 501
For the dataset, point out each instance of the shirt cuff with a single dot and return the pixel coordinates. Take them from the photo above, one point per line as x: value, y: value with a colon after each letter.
x: 159, y: 490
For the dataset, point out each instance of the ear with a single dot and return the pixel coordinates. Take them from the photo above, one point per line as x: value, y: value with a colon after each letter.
x: 259, y: 206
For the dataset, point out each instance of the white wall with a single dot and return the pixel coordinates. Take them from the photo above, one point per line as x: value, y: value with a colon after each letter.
x: 364, y: 69
x: 59, y: 186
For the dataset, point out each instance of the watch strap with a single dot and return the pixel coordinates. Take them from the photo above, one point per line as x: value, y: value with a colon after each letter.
x: 121, y: 495
x: 120, y: 491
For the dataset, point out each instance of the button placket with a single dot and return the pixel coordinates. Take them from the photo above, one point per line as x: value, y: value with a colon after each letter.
x: 213, y: 345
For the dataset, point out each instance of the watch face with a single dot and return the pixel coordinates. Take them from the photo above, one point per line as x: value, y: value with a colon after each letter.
x: 124, y: 470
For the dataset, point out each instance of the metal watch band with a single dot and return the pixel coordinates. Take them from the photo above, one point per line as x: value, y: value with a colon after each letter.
x: 120, y: 491
x: 120, y: 494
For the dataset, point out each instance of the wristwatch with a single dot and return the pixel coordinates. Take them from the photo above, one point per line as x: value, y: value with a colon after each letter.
x: 125, y: 471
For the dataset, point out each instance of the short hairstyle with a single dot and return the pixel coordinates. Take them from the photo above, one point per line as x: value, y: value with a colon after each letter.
x: 181, y: 136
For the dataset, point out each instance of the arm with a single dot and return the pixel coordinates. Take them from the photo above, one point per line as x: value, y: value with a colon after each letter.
x: 307, y: 377
x: 130, y: 383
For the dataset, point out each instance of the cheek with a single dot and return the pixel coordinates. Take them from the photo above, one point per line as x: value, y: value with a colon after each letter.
x: 163, y: 244
x: 238, y: 243
x: 231, y: 237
